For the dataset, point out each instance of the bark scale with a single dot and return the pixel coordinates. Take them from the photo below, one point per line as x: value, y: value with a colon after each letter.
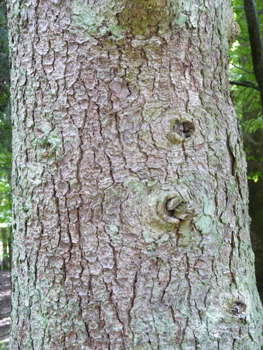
x: 131, y: 228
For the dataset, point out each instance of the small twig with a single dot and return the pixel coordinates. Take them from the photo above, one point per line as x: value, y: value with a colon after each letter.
x: 245, y: 84
x: 247, y: 71
x: 241, y: 37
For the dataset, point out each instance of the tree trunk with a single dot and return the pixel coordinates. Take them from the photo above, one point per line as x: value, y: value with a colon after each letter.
x: 5, y: 262
x: 256, y: 43
x: 254, y: 144
x: 130, y: 192
x: 10, y: 253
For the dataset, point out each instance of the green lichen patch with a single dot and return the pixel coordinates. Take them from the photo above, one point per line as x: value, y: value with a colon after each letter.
x: 50, y: 145
x: 125, y: 18
x: 141, y: 17
x: 94, y: 21
x: 204, y: 224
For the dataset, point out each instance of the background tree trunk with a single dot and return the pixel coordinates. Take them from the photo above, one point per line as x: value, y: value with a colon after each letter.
x: 256, y: 43
x: 130, y: 191
x: 5, y: 262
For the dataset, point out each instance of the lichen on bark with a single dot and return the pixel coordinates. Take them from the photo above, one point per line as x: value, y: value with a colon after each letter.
x: 131, y: 228
x: 124, y: 19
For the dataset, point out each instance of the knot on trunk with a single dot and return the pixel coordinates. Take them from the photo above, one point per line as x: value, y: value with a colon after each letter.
x: 238, y: 309
x: 173, y: 209
x: 180, y: 130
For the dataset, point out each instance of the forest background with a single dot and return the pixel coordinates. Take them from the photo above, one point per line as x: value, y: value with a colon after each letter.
x: 246, y: 97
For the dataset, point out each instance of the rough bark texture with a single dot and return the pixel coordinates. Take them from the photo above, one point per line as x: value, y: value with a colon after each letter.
x: 130, y: 193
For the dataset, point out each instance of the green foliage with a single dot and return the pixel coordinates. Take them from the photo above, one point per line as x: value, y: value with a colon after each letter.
x: 3, y: 346
x: 252, y: 125
x: 241, y: 68
x: 247, y: 99
x: 5, y: 169
x: 5, y: 202
x: 5, y: 132
x: 254, y: 176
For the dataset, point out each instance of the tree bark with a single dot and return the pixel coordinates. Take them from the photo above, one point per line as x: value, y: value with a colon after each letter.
x: 129, y: 179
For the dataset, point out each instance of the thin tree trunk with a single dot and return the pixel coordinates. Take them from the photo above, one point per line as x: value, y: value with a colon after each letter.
x: 10, y: 253
x: 130, y: 192
x: 4, y: 239
x: 255, y: 43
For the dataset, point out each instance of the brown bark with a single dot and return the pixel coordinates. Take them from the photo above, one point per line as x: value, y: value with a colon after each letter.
x: 130, y: 193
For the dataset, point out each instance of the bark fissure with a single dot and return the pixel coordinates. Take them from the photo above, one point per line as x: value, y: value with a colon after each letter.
x: 130, y: 203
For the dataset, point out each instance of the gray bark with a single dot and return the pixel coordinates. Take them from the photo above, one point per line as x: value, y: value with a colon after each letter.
x: 130, y: 193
